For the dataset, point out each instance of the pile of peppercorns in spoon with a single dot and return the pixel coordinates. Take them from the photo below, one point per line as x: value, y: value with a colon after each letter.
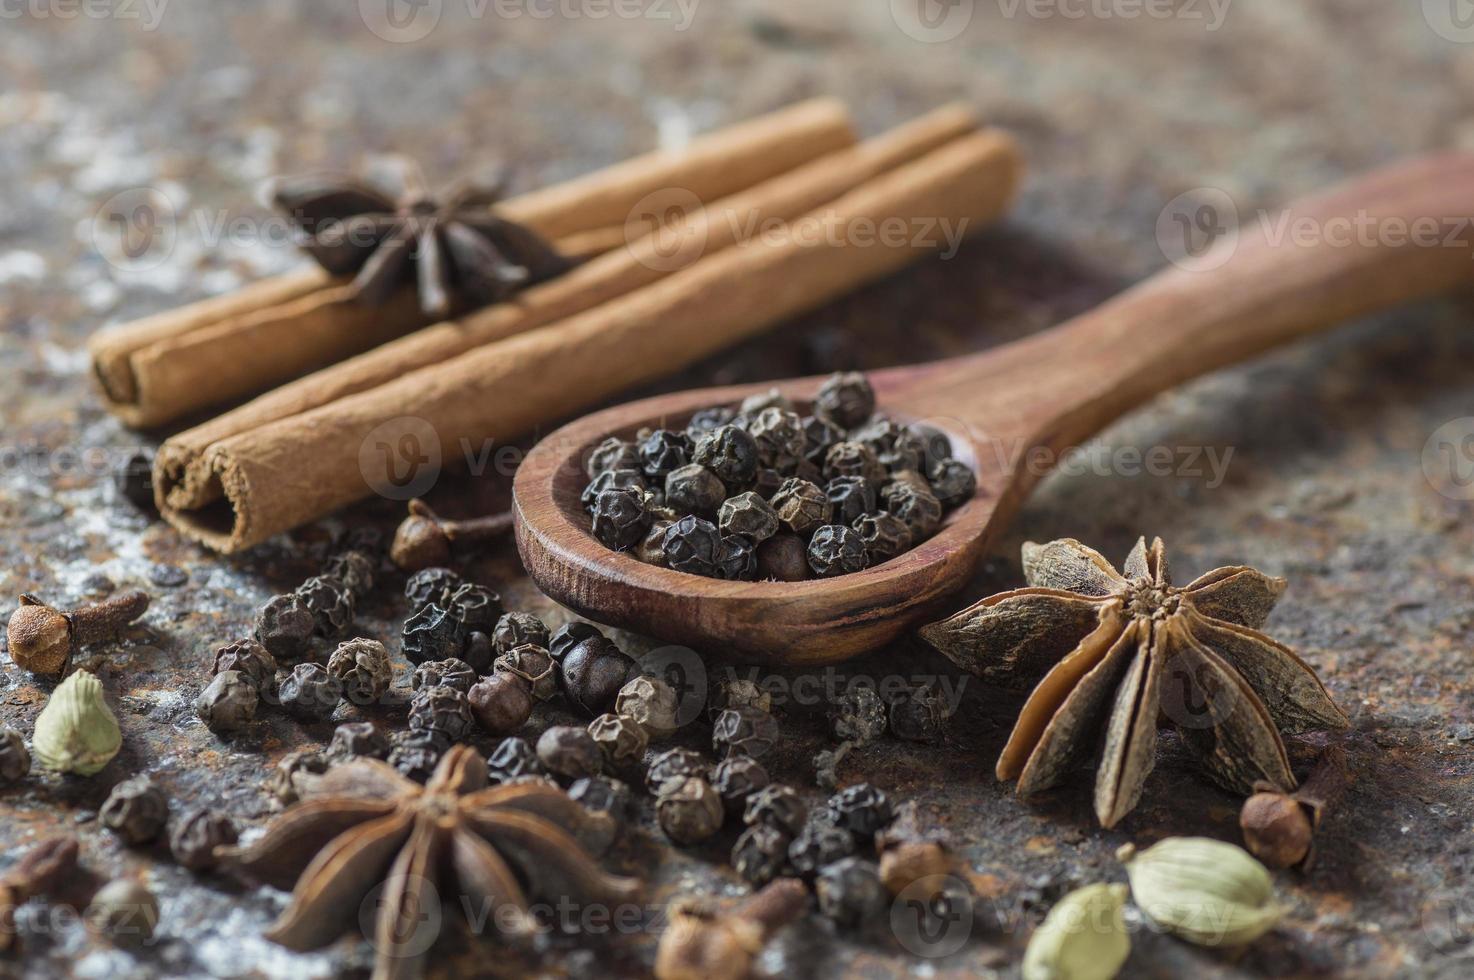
x: 761, y: 492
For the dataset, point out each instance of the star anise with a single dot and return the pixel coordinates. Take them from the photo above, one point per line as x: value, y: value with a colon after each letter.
x: 461, y: 251
x: 1125, y: 652
x: 362, y: 826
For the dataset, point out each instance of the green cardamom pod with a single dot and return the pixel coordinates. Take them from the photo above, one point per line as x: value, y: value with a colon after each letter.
x: 1205, y: 891
x: 1082, y: 938
x: 76, y: 731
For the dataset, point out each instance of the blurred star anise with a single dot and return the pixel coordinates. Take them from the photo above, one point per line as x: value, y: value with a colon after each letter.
x: 363, y: 827
x: 1123, y: 653
x: 456, y: 247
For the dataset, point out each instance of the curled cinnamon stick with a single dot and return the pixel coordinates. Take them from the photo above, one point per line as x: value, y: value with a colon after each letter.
x: 184, y: 476
x: 298, y: 468
x: 155, y: 370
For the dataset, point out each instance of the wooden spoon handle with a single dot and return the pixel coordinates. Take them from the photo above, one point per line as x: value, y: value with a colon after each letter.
x: 1394, y: 235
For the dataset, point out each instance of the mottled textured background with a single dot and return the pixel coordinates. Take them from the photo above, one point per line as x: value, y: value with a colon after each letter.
x: 1118, y: 114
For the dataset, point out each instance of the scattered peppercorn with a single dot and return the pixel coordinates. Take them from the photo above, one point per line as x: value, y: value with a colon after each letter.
x: 709, y: 419
x: 772, y: 398
x: 451, y: 672
x: 569, y: 751
x: 284, y: 626
x: 853, y: 460
x: 918, y: 715
x: 310, y: 692
x: 694, y: 490
x: 477, y: 607
x: 850, y: 498
x: 431, y: 586
x: 294, y: 769
x: 783, y: 558
x: 777, y: 806
x: 916, y: 507
x: 415, y: 753
x: 249, y: 658
x: 651, y: 549
x: 612, y: 454
x: 819, y: 435
x: 624, y: 479
x: 836, y: 550
x: 736, y: 778
x: 673, y: 765
x: 884, y: 536
x: 354, y: 569
x: 749, y: 515
x: 744, y: 731
x: 479, y: 651
x: 501, y: 703
x: 689, y: 810
x: 650, y: 703
x: 802, y: 507
x: 850, y: 892
x: 443, y: 712
x: 620, y: 519
x: 357, y: 739
x: 124, y: 912
x: 533, y: 664
x: 228, y: 702
x: 622, y: 741
x: 602, y: 794
x: 953, y: 482
x: 363, y: 668
x: 15, y: 761
x: 778, y: 434
x: 861, y: 809
x: 664, y: 450
x: 820, y: 843
x: 194, y: 840
x: 859, y: 715
x: 730, y: 453
x: 432, y: 633
x: 692, y: 545
x: 569, y: 635
x: 330, y: 602
x: 845, y: 399
x: 737, y: 561
x: 519, y: 629
x: 737, y: 692
x: 136, y: 810
x: 513, y: 759
x: 592, y: 674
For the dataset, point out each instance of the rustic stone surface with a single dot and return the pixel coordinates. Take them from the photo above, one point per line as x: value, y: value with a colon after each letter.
x: 1117, y: 115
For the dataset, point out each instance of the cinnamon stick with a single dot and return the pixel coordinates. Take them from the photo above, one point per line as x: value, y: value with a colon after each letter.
x: 298, y: 468
x: 185, y: 482
x: 164, y: 367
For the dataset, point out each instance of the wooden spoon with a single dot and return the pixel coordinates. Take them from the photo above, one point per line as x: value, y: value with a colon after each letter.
x: 1286, y: 274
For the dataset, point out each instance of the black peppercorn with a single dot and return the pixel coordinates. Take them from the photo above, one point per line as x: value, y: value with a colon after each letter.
x: 853, y: 459
x: 362, y: 666
x: 767, y: 482
x: 533, y: 664
x: 357, y: 739
x: 619, y: 518
x: 330, y: 602
x: 859, y: 715
x: 664, y: 450
x: 442, y: 711
x: 778, y: 435
x: 569, y: 635
x: 249, y: 658
x: 918, y: 715
x: 850, y: 498
x: 694, y: 489
x: 836, y: 550
x: 513, y: 759
x: 136, y: 810
x: 228, y: 702
x: 736, y: 778
x: 953, y: 482
x: 622, y: 741
x: 601, y: 794
x: 15, y: 761
x: 846, y: 399
x: 689, y: 810
x: 783, y: 558
x: 284, y: 626
x: 354, y: 569
x: 738, y: 559
x: 744, y: 731
x: 730, y: 453
x: 478, y: 652
x: 452, y: 672
x: 431, y: 586
x: 292, y: 770
x: 569, y: 751
x: 772, y: 398
x: 777, y: 806
x: 592, y: 674
x: 612, y: 480
x: 819, y: 435
x: 519, y: 629
x: 938, y: 446
x: 612, y: 454
x: 878, y: 432
x: 802, y: 507
x: 651, y: 549
x: 737, y: 692
x: 916, y: 507
x: 820, y: 843
x: 749, y: 515
x: 693, y: 545
x: 673, y: 765
x: 501, y: 703
x: 709, y: 419
x: 477, y: 607
x: 432, y: 633
x: 415, y: 754
x: 906, y: 453
x: 195, y: 838
x: 760, y: 854
x: 851, y: 893
x: 651, y: 703
x: 885, y: 536
x: 861, y: 809
x: 310, y: 692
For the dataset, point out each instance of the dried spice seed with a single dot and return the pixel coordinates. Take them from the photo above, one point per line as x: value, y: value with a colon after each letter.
x: 501, y: 703
x: 672, y: 766
x: 836, y: 550
x: 953, y: 482
x: 859, y: 715
x: 443, y: 712
x: 249, y: 658
x: 432, y: 633
x: 533, y: 664
x: 41, y: 639
x: 124, y: 912
x: 693, y: 545
x: 919, y: 715
x: 513, y: 759
x: 1118, y: 648
x: 362, y: 667
x: 354, y: 569
x: 802, y: 507
x: 744, y: 731
x: 761, y: 854
x: 737, y: 692
x: 569, y: 635
x: 854, y: 460
x: 1279, y: 828
x: 846, y: 399
x: 850, y: 892
x: 284, y: 626
x: 850, y: 498
x: 415, y: 754
x: 15, y: 761
x: 777, y: 806
x: 694, y: 489
x: 519, y: 629
x: 783, y: 558
x: 477, y: 607
x: 194, y: 841
x: 1083, y: 937
x: 630, y: 479
x: 709, y: 419
x: 820, y: 843
x: 452, y: 672
x: 569, y: 751
x: 736, y: 778
x: 602, y: 794
x: 738, y: 560
x: 650, y: 703
x: 228, y: 702
x: 916, y: 507
x: 136, y: 810
x: 358, y: 738
x: 689, y: 810
x: 331, y: 604
x: 294, y: 772
x: 819, y: 435
x: 861, y: 809
x: 749, y: 515
x: 310, y: 692
x: 622, y: 741
x: 431, y: 587
x: 612, y: 454
x: 906, y: 453
x: 1205, y: 891
x: 619, y: 518
x: 662, y: 451
x: 777, y: 433
x: 592, y: 674
x: 730, y: 453
x: 884, y: 536
x: 76, y: 732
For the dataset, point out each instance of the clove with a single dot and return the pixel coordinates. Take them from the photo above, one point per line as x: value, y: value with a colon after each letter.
x: 42, y: 639
x: 702, y: 943
x: 1279, y: 828
x: 38, y: 872
x: 424, y: 538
